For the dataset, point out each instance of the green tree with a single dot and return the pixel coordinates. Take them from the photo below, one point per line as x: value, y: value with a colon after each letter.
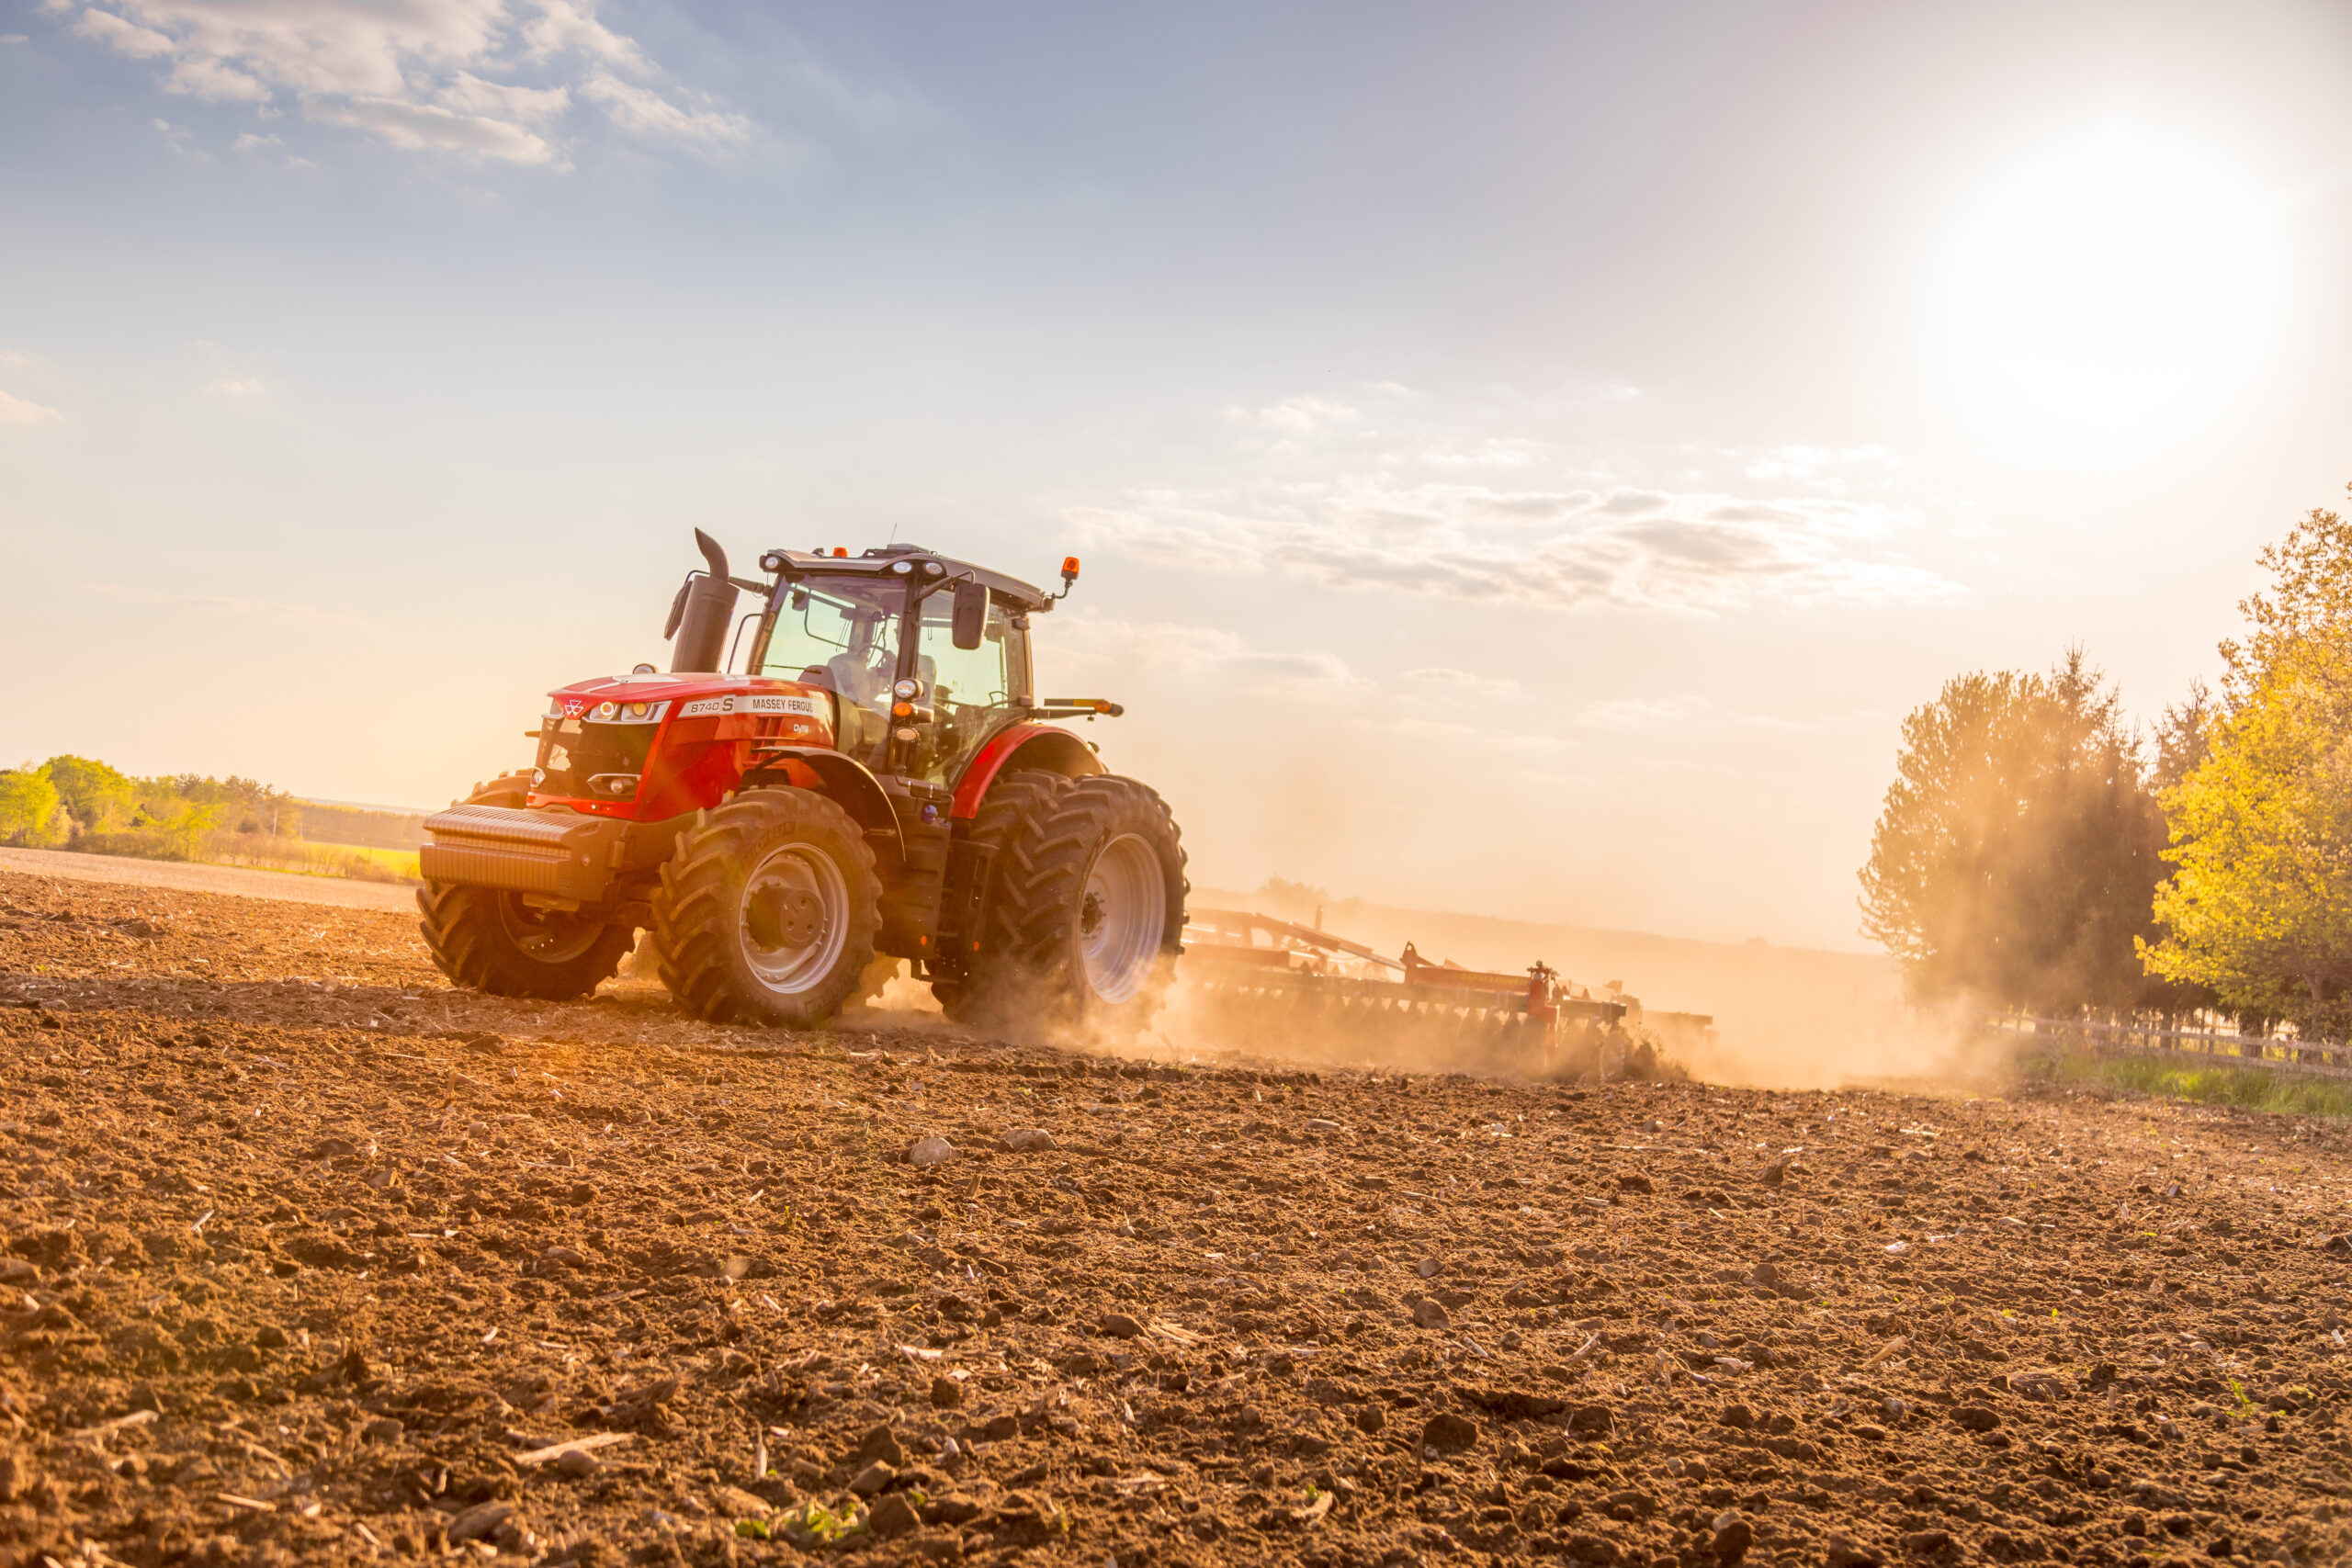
x: 98, y: 798
x: 2015, y: 854
x: 2259, y: 904
x: 30, y: 814
x: 189, y: 824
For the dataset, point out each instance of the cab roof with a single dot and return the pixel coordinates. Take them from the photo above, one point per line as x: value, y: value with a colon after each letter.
x: 794, y: 565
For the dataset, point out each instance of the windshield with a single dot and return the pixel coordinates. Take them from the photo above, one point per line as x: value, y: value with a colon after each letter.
x: 843, y: 635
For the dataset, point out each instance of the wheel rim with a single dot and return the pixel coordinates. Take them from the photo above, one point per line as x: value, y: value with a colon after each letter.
x: 796, y: 919
x: 544, y: 935
x: 1122, y: 917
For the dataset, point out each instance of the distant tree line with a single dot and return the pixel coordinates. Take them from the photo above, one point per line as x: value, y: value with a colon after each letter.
x: 75, y: 802
x: 2036, y: 852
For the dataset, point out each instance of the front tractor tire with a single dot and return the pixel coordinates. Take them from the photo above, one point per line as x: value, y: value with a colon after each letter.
x: 485, y: 939
x: 767, y: 912
x: 1093, y: 901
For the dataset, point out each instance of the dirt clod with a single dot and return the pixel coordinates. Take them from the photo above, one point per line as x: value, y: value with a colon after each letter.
x: 1447, y: 1433
x: 893, y: 1516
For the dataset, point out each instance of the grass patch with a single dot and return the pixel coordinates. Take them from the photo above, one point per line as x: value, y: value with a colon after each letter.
x: 267, y: 851
x: 401, y: 863
x: 2246, y: 1089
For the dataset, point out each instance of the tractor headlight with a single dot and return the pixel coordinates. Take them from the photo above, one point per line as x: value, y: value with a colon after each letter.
x: 906, y: 691
x: 629, y: 712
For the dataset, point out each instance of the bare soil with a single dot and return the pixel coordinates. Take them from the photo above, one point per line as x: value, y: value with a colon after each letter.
x: 309, y: 1259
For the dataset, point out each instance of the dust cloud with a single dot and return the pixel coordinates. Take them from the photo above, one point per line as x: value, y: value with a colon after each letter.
x: 1783, y: 1017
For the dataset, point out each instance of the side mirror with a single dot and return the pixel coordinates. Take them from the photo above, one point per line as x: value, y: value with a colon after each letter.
x: 971, y: 613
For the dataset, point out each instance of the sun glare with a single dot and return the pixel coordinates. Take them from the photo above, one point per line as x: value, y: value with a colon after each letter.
x: 2112, y: 290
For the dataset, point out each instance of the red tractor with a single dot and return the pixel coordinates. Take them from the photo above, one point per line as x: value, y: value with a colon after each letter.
x: 879, y: 779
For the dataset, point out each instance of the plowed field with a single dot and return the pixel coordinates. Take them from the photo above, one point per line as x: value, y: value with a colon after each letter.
x: 310, y: 1259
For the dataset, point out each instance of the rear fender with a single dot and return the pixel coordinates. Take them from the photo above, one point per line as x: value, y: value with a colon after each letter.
x: 846, y: 780
x: 1037, y: 746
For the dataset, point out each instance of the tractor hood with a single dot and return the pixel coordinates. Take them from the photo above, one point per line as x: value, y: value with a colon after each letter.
x: 651, y: 745
x: 580, y: 699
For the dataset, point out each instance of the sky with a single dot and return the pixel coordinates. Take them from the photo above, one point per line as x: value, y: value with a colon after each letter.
x: 1526, y: 458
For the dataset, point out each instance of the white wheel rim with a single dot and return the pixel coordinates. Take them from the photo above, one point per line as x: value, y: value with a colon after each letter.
x: 794, y: 919
x: 1122, y: 917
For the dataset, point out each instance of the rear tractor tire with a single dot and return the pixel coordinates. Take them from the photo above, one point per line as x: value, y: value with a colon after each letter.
x: 1093, y: 901
x: 487, y: 939
x: 1014, y: 803
x: 766, y: 913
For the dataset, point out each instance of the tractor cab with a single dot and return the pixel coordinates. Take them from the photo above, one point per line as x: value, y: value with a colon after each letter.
x: 925, y: 659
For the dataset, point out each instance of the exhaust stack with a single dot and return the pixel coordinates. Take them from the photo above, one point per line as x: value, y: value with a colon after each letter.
x: 702, y: 613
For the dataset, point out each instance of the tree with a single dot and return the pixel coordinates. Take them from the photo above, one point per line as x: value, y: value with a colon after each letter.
x: 2016, y: 855
x: 2183, y: 736
x: 2259, y: 903
x: 95, y: 796
x: 2310, y: 603
x: 30, y: 809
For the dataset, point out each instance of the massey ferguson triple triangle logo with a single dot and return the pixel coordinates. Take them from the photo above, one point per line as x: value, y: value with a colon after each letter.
x: 574, y: 707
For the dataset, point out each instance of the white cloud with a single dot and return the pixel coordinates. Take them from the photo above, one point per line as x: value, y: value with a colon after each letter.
x: 1296, y: 417
x: 249, y: 142
x: 1391, y: 509
x: 1699, y: 553
x: 7, y: 38
x: 16, y: 411
x: 1634, y: 503
x: 181, y: 139
x: 218, y: 81
x: 468, y: 94
x: 651, y: 115
x: 492, y: 80
x: 139, y: 43
x: 15, y: 359
x: 561, y: 27
x: 238, y: 391
x: 429, y: 127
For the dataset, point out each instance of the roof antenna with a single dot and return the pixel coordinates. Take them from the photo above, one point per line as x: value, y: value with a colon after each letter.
x: 894, y: 533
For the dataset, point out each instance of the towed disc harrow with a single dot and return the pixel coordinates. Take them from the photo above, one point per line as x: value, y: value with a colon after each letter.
x: 1265, y: 983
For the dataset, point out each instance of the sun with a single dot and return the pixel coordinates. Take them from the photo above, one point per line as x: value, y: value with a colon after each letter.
x: 2119, y: 287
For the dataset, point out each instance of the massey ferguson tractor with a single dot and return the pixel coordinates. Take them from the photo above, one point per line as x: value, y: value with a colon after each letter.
x: 878, y: 779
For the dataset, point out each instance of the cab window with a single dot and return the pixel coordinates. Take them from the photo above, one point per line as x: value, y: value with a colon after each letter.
x: 971, y: 689
x: 843, y: 635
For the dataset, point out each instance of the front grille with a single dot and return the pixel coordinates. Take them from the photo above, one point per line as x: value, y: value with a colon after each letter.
x: 552, y: 851
x: 574, y: 752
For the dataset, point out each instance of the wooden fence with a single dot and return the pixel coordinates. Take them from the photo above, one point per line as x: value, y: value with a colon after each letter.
x: 2213, y: 1043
